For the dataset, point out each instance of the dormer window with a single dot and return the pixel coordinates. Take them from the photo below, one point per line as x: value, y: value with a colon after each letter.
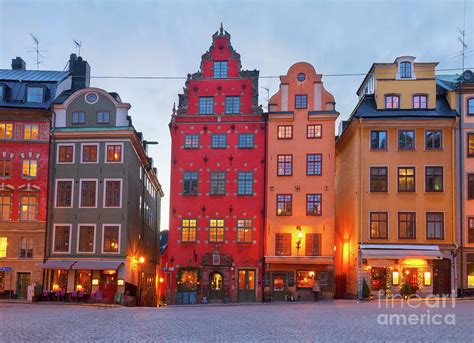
x: 420, y: 101
x: 405, y: 70
x: 2, y: 93
x: 220, y: 69
x: 34, y: 94
x: 103, y: 117
x: 78, y: 118
x: 392, y: 101
x: 470, y: 107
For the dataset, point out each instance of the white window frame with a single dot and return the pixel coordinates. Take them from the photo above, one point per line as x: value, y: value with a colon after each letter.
x: 96, y: 192
x: 105, y: 152
x: 56, y: 193
x: 79, y: 235
x: 73, y: 152
x: 82, y: 151
x: 119, y: 239
x: 105, y: 190
x: 54, y: 239
x: 416, y: 178
x: 388, y: 226
x: 388, y: 179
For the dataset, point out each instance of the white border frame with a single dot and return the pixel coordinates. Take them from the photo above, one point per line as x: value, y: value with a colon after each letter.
x: 91, y: 102
x: 82, y: 151
x: 424, y: 178
x: 388, y: 226
x: 73, y: 152
x: 56, y: 193
x: 119, y: 239
x: 54, y: 239
x: 105, y: 190
x: 414, y: 140
x: 417, y: 236
x: 105, y: 152
x: 442, y: 139
x: 416, y: 178
x: 370, y: 140
x: 370, y: 177
x: 79, y: 235
x: 96, y: 192
x: 425, y: 226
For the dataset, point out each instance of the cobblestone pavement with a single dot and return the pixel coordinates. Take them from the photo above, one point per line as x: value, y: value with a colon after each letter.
x: 340, y: 321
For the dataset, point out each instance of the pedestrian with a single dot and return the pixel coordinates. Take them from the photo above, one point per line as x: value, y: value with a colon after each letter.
x: 316, y: 291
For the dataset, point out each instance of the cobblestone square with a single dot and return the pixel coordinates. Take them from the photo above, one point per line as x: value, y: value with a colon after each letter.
x: 332, y: 321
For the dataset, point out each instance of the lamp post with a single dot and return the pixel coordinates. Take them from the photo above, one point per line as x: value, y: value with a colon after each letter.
x: 300, y: 236
x: 141, y: 261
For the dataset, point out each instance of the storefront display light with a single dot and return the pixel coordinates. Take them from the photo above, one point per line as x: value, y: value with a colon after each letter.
x: 427, y: 279
x: 395, y: 278
x: 120, y: 282
x: 95, y: 282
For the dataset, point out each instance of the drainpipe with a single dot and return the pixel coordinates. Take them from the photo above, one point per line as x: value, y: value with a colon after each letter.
x: 263, y: 236
x: 360, y: 283
x: 461, y: 186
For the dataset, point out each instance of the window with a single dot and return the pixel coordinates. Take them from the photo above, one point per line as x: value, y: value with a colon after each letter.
x: 406, y: 225
x: 5, y: 167
x: 314, y: 164
x: 3, y: 247
x: 313, y: 204
x: 470, y: 186
x: 406, y: 179
x: 405, y: 70
x: 88, y: 193
x: 435, y: 225
x: 301, y: 101
x: 30, y: 132
x: 220, y: 69
x: 245, y: 141
x: 245, y: 183
x: 78, y: 118
x: 378, y: 225
x: 314, y: 131
x: 378, y: 179
x: 114, y: 152
x: 113, y: 193
x: 5, y: 207
x: 284, y: 204
x: 89, y: 153
x: 283, y: 244
x: 218, y: 181
x: 378, y: 140
x: 62, y: 238
x: 34, y: 94
x: 2, y: 93
x: 103, y: 117
x: 6, y: 131
x: 64, y: 193
x: 26, y: 247
x: 244, y: 230
x: 470, y: 144
x: 191, y: 141
x: 392, y: 101
x: 285, y: 132
x: 111, y: 239
x: 190, y: 183
x: 219, y: 141
x: 470, y: 230
x: 232, y: 104
x: 86, y: 240
x: 420, y: 101
x: 313, y: 244
x: 305, y: 279
x: 206, y: 105
x: 433, y: 179
x: 188, y: 230
x: 30, y: 168
x: 470, y: 106
x: 406, y: 140
x: 284, y: 165
x: 66, y: 154
x: 433, y: 139
x: 216, y: 230
x: 28, y: 207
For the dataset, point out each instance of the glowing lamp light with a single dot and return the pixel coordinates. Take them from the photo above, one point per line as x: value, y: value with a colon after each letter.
x: 141, y: 259
x: 407, y: 272
x: 162, y: 280
x: 395, y: 278
x: 427, y: 278
x: 95, y: 282
x: 55, y: 287
x: 300, y: 234
x: 311, y: 274
x: 120, y: 282
x: 79, y: 288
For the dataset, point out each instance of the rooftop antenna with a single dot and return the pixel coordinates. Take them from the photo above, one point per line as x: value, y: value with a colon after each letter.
x: 37, y: 50
x: 267, y: 99
x: 462, y: 38
x: 78, y: 45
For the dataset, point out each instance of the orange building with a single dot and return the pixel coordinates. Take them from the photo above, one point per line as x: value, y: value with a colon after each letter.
x: 300, y: 198
x: 395, y: 186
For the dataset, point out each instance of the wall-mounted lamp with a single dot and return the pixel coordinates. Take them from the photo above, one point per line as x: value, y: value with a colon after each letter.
x: 427, y: 278
x: 120, y: 282
x: 300, y: 237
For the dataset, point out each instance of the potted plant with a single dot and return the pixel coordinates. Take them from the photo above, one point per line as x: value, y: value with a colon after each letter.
x: 405, y: 290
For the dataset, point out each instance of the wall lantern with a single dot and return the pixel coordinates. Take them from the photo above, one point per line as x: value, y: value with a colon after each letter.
x: 120, y: 282
x: 427, y: 279
x: 95, y: 282
x: 141, y: 260
x: 300, y: 236
x: 162, y: 280
x: 395, y: 278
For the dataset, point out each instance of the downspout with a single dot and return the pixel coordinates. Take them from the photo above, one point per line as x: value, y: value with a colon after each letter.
x: 360, y: 179
x: 461, y: 188
x: 263, y: 236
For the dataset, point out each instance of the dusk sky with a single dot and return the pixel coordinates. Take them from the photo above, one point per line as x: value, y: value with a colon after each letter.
x: 167, y: 38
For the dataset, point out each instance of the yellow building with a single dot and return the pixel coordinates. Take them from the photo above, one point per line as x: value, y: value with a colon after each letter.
x: 395, y: 185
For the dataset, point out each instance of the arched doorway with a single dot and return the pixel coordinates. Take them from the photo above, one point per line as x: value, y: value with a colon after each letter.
x: 216, y: 286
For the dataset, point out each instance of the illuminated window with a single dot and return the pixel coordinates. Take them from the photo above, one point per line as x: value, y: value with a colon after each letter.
x: 114, y: 153
x: 220, y: 69
x: 378, y: 225
x: 62, y: 236
x: 86, y: 238
x: 407, y: 225
x: 244, y: 230
x: 31, y: 132
x: 283, y: 244
x: 26, y: 247
x: 314, y: 164
x: 420, y: 101
x: 314, y: 131
x: 284, y: 204
x: 103, y: 117
x: 304, y: 279
x: 313, y: 244
x: 406, y: 179
x: 301, y: 101
x: 191, y: 141
x: 30, y: 168
x: 5, y: 167
x: 470, y: 145
x: 216, y: 230
x: 434, y: 179
x: 28, y: 207
x: 83, y: 281
x: 111, y: 239
x: 284, y: 165
x: 470, y: 271
x: 3, y: 247
x: 6, y: 131
x: 313, y: 204
x: 89, y: 153
x: 392, y: 101
x: 285, y: 132
x: 188, y: 230
x: 5, y: 206
x: 66, y: 154
x: 189, y: 280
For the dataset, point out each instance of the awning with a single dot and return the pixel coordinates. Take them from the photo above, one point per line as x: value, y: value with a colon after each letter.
x: 57, y: 264
x: 300, y: 259
x: 97, y: 265
x: 395, y: 251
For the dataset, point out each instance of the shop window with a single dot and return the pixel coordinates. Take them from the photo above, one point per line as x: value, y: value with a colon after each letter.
x: 305, y: 279
x: 188, y: 280
x: 83, y: 281
x: 59, y: 280
x: 378, y: 278
x: 470, y: 274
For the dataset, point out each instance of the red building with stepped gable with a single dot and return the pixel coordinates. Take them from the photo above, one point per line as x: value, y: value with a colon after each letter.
x: 217, y: 183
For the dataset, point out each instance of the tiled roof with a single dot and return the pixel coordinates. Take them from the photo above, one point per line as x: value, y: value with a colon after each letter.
x: 33, y: 75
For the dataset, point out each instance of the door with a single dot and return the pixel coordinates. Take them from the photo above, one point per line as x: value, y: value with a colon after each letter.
x: 216, y: 286
x: 246, y: 285
x: 279, y: 286
x: 108, y: 285
x: 23, y: 280
x: 442, y: 277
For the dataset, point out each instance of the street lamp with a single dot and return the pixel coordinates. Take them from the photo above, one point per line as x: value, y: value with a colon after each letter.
x: 141, y: 261
x: 300, y: 236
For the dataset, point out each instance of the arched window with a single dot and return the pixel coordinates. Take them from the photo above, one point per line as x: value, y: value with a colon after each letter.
x: 405, y: 70
x: 470, y: 106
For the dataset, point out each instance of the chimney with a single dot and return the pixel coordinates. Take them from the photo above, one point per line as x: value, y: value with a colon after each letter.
x: 81, y: 72
x: 18, y: 64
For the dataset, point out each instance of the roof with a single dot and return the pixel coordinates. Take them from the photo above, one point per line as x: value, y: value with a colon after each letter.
x: 33, y: 75
x: 61, y: 98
